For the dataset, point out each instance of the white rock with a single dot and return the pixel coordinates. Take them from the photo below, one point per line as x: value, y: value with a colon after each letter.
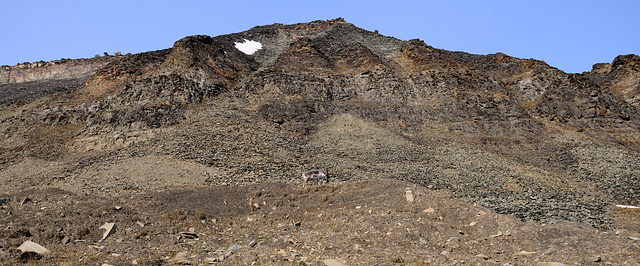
x: 409, y: 195
x: 524, y: 253
x: 29, y: 246
x: 234, y: 248
x: 627, y: 207
x: 110, y: 230
x: 333, y: 262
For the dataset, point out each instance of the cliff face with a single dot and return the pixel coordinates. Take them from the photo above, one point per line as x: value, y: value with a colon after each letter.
x: 496, y: 130
x: 622, y: 77
x: 53, y: 70
x: 28, y: 81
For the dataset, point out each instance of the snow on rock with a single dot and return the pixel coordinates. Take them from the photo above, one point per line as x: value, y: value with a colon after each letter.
x: 248, y: 47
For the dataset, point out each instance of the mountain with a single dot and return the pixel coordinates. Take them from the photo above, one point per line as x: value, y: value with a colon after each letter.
x: 516, y: 136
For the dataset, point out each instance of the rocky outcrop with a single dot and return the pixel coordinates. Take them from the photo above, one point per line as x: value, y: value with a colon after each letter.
x: 621, y: 77
x: 53, y: 70
x: 28, y: 81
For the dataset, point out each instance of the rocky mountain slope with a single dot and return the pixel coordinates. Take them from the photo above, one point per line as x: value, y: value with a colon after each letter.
x: 516, y: 136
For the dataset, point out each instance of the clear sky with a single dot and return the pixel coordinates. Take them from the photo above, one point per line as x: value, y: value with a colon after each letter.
x: 569, y: 35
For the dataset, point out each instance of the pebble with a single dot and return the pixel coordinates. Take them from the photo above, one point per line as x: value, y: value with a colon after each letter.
x: 524, y: 253
x: 409, y: 195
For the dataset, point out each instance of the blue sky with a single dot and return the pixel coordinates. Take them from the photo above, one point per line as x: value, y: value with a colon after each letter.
x: 569, y: 35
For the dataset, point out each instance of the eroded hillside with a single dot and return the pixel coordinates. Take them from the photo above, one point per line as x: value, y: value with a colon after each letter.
x: 513, y: 135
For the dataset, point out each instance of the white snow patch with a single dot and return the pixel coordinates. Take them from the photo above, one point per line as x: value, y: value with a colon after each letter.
x: 248, y: 47
x: 627, y: 207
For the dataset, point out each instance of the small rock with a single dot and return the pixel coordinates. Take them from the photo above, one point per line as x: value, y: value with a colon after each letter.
x: 409, y: 195
x: 234, y: 248
x: 141, y: 224
x: 188, y: 235
x: 29, y: 246
x: 110, y: 230
x: 117, y: 207
x: 253, y: 243
x: 481, y: 213
x: 65, y: 240
x: 499, y: 234
x: 333, y: 262
x: 472, y: 223
x: 297, y: 224
x: 424, y: 242
x: 634, y: 238
x: 597, y: 259
x: 483, y: 256
x: 182, y: 258
x: 429, y: 210
x: 25, y: 200
x: 524, y: 253
x: 4, y: 201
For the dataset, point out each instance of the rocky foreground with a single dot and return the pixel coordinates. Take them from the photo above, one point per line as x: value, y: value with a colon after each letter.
x: 350, y: 223
x: 193, y: 154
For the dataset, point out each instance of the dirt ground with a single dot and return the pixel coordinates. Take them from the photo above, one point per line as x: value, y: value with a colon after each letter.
x: 356, y: 223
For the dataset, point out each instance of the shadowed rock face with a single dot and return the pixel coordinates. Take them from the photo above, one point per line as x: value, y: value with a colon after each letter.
x: 514, y: 135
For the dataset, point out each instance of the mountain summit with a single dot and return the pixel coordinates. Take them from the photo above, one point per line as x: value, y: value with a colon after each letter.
x: 516, y: 136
